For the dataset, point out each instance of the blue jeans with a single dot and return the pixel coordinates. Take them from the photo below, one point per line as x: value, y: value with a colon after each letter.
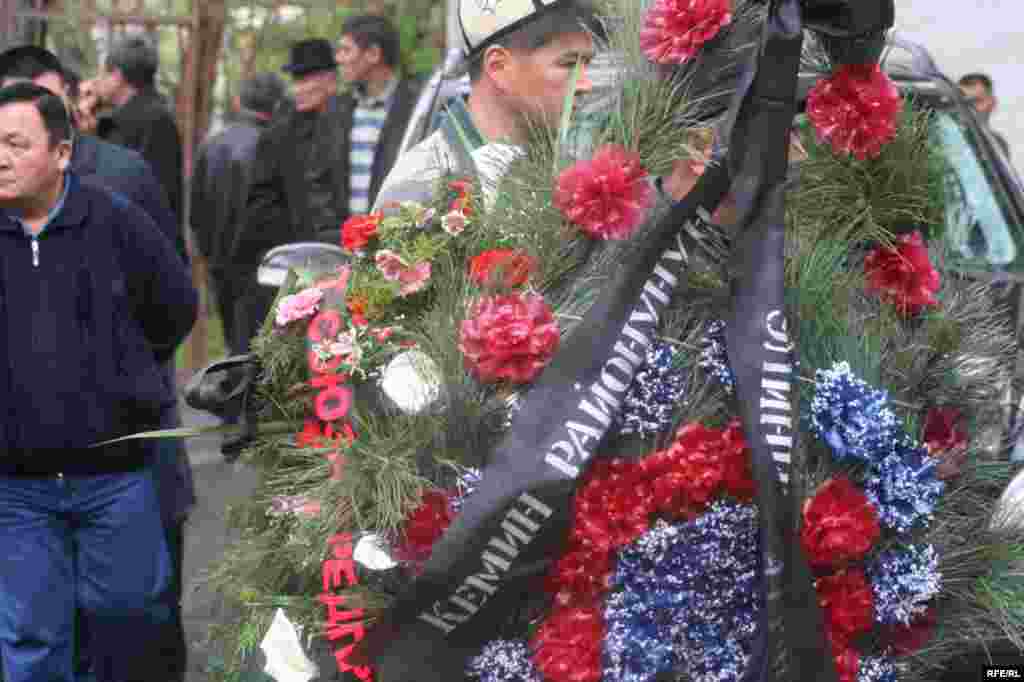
x: 91, y: 542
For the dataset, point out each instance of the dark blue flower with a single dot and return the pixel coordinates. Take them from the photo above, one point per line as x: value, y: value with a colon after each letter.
x: 851, y: 417
x: 903, y: 581
x: 876, y: 669
x: 904, y: 486
x: 655, y: 393
x: 713, y: 356
x: 687, y: 599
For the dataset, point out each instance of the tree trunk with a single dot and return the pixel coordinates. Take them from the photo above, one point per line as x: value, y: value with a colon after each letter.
x: 202, y: 51
x: 194, y: 105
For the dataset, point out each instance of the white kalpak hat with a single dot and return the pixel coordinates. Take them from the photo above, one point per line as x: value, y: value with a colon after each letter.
x: 484, y: 21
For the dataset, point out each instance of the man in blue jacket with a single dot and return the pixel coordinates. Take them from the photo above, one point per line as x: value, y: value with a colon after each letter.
x: 122, y: 170
x: 93, y: 300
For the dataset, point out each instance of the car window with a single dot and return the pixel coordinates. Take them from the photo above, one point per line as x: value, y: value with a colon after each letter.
x: 977, y: 228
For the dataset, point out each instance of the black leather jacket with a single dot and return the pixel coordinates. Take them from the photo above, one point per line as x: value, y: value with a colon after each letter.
x: 219, y: 190
x: 277, y: 203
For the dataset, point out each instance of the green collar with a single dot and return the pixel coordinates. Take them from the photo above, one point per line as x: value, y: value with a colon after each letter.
x: 462, y: 135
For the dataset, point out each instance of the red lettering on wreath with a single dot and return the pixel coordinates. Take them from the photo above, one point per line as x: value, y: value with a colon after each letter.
x: 339, y: 571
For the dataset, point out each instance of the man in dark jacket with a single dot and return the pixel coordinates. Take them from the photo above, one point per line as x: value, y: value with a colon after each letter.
x: 123, y: 171
x: 219, y: 187
x: 93, y: 300
x: 328, y: 157
x: 141, y: 119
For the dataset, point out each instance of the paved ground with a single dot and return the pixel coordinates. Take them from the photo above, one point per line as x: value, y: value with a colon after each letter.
x: 217, y: 485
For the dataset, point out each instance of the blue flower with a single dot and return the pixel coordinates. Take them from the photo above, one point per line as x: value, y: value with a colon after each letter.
x: 853, y: 418
x: 654, y: 394
x: 904, y: 486
x: 504, y: 660
x: 714, y: 358
x: 876, y: 669
x: 687, y: 599
x: 903, y: 581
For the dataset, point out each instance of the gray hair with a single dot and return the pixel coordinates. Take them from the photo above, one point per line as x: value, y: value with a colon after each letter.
x: 137, y: 59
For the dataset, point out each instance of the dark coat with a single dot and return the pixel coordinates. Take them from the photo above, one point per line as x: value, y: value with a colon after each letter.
x: 219, y: 190
x: 80, y: 324
x: 145, y: 123
x: 124, y: 171
x: 277, y: 205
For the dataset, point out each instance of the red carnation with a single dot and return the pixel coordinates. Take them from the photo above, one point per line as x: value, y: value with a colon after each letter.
x: 509, y: 337
x: 839, y: 524
x: 675, y: 30
x: 425, y: 526
x: 903, y: 275
x: 580, y: 576
x: 946, y: 439
x: 612, y: 506
x: 605, y: 196
x: 847, y: 662
x: 906, y: 639
x: 358, y: 230
x: 848, y: 604
x: 567, y: 645
x: 855, y: 110
x: 514, y: 267
x: 737, y: 472
x: 699, y: 451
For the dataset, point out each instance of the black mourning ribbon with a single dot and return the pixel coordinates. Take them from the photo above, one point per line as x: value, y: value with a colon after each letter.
x: 761, y: 356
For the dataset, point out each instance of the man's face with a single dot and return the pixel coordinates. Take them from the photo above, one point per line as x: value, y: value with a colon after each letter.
x: 979, y: 97
x: 356, y: 62
x: 539, y: 79
x: 312, y: 90
x: 30, y: 166
x: 108, y: 83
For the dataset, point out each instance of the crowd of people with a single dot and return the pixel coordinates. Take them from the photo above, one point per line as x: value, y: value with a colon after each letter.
x: 92, y: 200
x: 96, y: 293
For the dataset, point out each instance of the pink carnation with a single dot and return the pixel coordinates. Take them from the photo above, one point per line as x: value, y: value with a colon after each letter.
x: 414, y: 279
x: 298, y: 306
x: 675, y: 30
x: 454, y: 222
x: 605, y: 196
x: 390, y: 264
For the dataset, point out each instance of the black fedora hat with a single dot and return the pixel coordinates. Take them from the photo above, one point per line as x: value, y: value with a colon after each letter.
x: 308, y: 56
x: 8, y: 58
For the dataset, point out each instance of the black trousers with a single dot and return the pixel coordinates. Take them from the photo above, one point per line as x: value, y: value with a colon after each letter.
x: 226, y: 290
x: 251, y: 309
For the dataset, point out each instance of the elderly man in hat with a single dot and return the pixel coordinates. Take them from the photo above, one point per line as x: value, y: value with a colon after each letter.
x: 522, y: 56
x: 324, y: 161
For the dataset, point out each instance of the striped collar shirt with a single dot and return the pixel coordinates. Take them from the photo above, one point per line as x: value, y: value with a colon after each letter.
x: 368, y: 119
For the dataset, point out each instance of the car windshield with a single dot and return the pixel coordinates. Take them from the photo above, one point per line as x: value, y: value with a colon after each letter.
x: 977, y: 228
